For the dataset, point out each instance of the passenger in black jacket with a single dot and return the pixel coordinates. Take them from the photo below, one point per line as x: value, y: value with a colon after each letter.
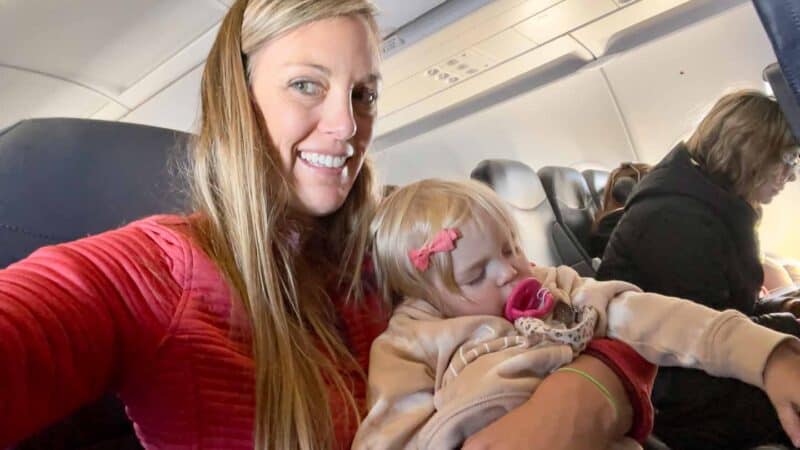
x: 689, y: 230
x: 618, y: 188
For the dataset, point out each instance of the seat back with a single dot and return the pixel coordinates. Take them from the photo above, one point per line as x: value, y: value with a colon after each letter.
x: 63, y: 179
x: 571, y: 199
x: 596, y: 181
x: 544, y: 240
x: 780, y: 20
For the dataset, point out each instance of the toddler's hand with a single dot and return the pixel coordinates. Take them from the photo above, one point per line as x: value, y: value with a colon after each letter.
x: 782, y: 384
x: 598, y: 294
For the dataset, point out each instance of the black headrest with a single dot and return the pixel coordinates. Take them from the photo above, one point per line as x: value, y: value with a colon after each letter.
x: 622, y: 188
x: 61, y: 179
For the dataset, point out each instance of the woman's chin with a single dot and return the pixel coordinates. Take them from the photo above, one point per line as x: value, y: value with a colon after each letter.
x: 318, y: 205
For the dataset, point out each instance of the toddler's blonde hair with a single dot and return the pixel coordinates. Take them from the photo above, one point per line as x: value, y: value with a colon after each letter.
x: 411, y: 216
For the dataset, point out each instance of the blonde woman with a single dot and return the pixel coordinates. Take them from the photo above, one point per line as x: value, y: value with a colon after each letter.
x: 689, y: 231
x: 244, y: 325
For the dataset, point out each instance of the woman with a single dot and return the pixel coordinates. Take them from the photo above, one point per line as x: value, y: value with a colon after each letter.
x: 689, y: 231
x: 619, y: 186
x: 245, y: 325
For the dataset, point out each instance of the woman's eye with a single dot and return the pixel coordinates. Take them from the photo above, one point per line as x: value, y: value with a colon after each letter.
x: 306, y: 87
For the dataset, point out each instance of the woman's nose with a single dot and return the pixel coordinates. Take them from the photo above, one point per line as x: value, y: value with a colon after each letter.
x: 337, y: 117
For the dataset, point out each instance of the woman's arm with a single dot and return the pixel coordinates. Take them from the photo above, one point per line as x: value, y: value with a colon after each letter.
x: 68, y: 316
x: 567, y: 411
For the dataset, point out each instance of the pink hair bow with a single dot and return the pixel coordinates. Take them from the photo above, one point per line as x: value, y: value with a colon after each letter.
x: 444, y: 241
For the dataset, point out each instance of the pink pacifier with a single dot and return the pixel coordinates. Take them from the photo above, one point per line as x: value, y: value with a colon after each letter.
x: 529, y: 299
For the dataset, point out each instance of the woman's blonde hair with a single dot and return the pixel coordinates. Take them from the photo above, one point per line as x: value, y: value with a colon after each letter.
x: 411, y: 216
x: 246, y: 227
x: 739, y: 143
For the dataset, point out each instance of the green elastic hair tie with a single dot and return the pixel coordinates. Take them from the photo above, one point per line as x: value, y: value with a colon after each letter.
x: 594, y: 381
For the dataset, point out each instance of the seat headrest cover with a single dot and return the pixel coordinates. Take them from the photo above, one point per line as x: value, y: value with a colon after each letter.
x: 514, y: 182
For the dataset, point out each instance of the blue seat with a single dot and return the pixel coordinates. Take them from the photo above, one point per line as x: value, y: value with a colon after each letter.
x: 781, y: 20
x: 63, y: 179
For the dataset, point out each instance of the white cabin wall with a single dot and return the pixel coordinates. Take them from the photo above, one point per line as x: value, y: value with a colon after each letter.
x: 664, y: 87
x: 571, y: 122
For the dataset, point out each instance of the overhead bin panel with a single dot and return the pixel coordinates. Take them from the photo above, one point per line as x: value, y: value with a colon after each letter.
x: 481, y: 52
x: 645, y: 20
x: 550, y: 60
x: 563, y: 18
x: 483, y: 24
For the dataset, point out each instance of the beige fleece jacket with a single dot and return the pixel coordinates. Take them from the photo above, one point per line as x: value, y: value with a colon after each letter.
x: 434, y: 381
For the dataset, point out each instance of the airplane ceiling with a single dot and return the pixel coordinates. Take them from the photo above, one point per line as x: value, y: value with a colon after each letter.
x: 141, y: 60
x: 107, y: 58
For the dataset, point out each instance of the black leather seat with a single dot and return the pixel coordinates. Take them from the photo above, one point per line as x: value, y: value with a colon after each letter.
x: 572, y: 201
x: 62, y: 179
x: 544, y: 240
x: 596, y: 181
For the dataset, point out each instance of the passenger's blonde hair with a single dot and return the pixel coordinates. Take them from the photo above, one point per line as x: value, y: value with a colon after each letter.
x: 411, y: 216
x: 739, y: 143
x: 246, y: 227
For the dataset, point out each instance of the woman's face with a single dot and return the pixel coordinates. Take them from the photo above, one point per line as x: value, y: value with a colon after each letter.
x: 316, y: 87
x: 782, y: 173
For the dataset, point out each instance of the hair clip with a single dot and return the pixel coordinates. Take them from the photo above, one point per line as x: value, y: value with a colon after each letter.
x: 444, y: 241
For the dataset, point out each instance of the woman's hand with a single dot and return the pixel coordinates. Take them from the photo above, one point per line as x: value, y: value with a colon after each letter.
x: 781, y: 381
x: 565, y: 412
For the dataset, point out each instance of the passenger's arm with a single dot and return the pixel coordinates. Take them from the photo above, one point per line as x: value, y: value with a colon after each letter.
x: 69, y: 316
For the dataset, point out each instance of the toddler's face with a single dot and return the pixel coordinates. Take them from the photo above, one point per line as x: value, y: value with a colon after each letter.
x: 486, y: 267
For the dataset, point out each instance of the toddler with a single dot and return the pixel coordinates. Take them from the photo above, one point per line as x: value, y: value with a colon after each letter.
x: 476, y: 327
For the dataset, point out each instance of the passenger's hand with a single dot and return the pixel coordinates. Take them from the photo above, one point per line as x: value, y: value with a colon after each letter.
x: 566, y: 412
x: 792, y: 306
x: 782, y: 384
